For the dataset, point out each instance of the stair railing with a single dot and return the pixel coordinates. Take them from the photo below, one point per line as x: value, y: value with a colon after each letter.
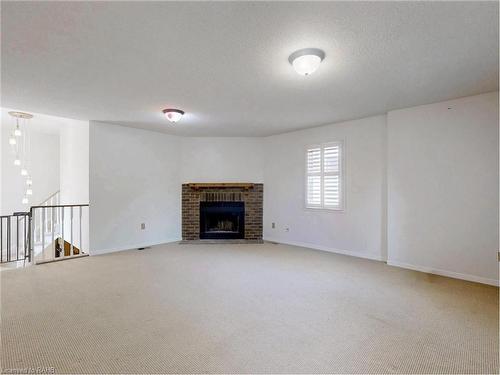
x: 49, y: 231
x: 15, y: 237
x: 60, y: 232
x: 50, y: 220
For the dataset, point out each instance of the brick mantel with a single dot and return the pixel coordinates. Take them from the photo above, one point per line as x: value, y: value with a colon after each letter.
x: 193, y: 194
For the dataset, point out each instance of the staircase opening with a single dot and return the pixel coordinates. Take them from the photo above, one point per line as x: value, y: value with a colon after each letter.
x: 48, y: 232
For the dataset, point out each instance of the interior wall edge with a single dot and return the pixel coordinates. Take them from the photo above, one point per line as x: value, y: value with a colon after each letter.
x: 308, y: 245
x: 134, y: 246
x: 446, y: 273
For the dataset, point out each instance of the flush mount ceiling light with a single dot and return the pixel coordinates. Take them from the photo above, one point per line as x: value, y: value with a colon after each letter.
x: 173, y: 115
x: 306, y: 61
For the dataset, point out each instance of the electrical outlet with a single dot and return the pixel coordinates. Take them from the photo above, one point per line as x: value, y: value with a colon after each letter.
x: 273, y: 225
x: 143, y: 226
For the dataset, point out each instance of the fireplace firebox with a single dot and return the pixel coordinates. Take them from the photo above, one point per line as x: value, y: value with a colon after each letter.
x: 222, y: 220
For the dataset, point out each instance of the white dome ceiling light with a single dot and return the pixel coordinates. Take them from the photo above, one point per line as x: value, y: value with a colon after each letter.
x: 306, y: 61
x: 173, y: 115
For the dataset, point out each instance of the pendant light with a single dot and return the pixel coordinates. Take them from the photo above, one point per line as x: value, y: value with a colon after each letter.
x: 17, y: 131
x: 21, y: 147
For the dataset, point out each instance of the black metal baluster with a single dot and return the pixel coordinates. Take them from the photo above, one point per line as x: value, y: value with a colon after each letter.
x: 8, y: 239
x: 31, y: 238
x: 17, y: 237
x: 1, y: 239
x: 25, y: 237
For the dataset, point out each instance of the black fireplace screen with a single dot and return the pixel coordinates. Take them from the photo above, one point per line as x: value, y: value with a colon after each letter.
x: 222, y: 220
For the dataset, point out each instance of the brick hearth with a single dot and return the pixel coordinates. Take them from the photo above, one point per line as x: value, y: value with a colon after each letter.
x: 252, y: 195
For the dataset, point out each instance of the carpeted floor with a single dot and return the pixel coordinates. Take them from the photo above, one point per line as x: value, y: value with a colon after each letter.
x: 243, y: 309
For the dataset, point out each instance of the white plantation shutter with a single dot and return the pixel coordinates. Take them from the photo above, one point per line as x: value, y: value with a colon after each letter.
x: 313, y: 177
x: 331, y: 170
x: 324, y: 176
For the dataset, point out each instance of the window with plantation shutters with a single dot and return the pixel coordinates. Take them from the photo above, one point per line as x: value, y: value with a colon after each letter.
x: 324, y: 176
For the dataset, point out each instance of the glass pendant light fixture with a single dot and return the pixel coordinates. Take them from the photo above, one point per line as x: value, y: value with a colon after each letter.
x: 17, y: 131
x: 20, y: 141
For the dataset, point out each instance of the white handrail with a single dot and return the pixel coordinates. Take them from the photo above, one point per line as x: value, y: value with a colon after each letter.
x: 48, y: 220
x: 50, y: 197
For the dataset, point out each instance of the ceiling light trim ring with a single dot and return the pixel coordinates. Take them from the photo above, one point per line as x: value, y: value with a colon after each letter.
x: 23, y: 115
x: 174, y: 110
x: 306, y: 51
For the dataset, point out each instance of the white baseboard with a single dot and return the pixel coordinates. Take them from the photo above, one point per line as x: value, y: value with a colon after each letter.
x: 454, y: 275
x: 131, y: 247
x: 440, y: 272
x: 326, y: 248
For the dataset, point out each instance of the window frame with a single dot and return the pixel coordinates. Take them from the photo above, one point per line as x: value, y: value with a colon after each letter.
x: 322, y: 173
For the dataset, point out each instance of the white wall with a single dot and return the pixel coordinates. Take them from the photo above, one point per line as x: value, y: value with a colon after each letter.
x: 359, y: 229
x: 44, y: 167
x: 443, y: 188
x: 74, y: 179
x: 421, y: 186
x: 222, y: 160
x: 74, y: 162
x: 134, y: 179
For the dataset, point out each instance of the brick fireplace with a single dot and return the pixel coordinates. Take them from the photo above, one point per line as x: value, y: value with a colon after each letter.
x: 222, y: 211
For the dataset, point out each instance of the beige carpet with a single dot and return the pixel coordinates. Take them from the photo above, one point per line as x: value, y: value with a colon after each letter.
x: 243, y: 309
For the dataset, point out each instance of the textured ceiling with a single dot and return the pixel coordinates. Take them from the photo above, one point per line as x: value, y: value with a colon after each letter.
x: 225, y: 63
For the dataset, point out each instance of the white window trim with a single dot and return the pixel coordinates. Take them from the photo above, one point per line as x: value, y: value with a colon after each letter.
x: 341, y: 173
